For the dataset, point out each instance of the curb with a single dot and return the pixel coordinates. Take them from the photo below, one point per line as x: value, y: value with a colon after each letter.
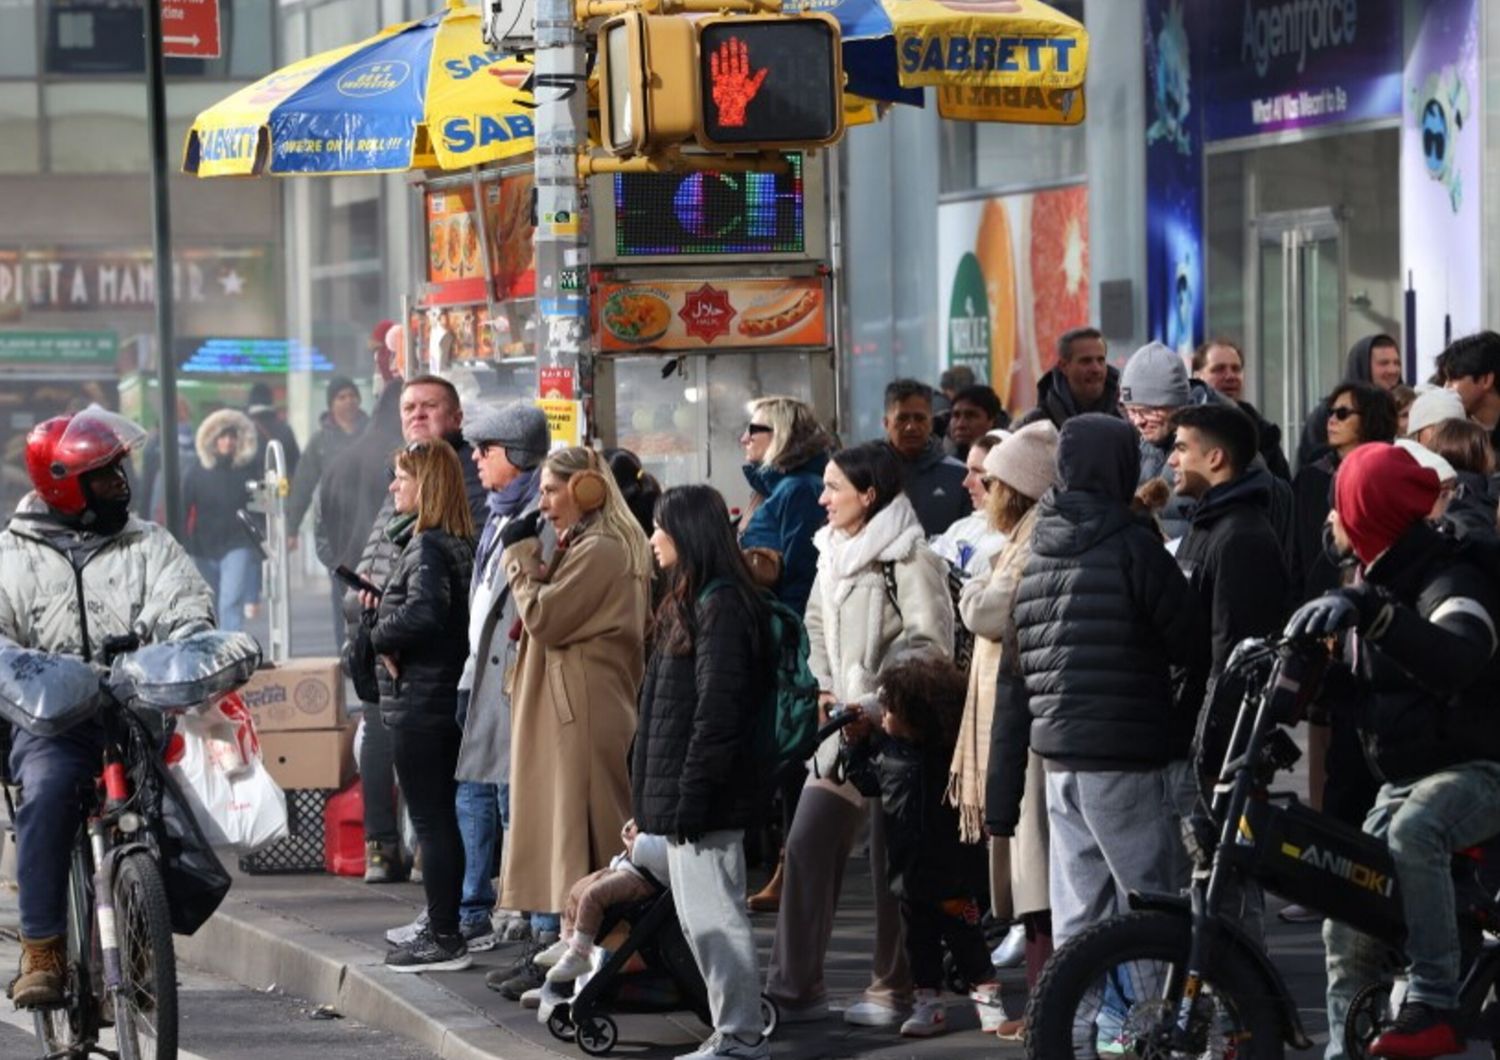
x: 239, y: 943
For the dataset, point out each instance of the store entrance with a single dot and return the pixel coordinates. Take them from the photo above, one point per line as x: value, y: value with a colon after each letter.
x: 1304, y: 257
x: 1302, y: 277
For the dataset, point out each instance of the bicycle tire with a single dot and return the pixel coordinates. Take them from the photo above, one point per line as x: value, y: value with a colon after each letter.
x: 1143, y: 936
x: 70, y: 1029
x: 146, y: 1006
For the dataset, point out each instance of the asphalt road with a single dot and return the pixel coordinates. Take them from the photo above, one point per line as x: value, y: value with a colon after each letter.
x: 222, y: 1020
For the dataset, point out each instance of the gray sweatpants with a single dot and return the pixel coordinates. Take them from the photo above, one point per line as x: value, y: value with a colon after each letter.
x: 708, y: 888
x: 1111, y: 833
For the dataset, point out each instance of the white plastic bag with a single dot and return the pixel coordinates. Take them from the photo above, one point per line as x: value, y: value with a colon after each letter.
x: 215, y: 757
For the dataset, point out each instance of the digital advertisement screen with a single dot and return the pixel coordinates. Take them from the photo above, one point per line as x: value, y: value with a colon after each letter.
x: 710, y: 213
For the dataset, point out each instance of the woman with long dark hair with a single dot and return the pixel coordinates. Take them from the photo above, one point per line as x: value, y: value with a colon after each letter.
x: 694, y: 776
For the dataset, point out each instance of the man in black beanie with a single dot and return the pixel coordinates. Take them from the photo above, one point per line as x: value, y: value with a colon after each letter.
x: 341, y: 423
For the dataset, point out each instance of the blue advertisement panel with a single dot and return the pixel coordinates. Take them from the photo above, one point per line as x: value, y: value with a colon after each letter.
x: 1441, y: 215
x: 1174, y: 189
x: 1280, y: 65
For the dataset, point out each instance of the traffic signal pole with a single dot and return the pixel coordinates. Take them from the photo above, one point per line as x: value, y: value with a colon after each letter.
x: 562, y: 224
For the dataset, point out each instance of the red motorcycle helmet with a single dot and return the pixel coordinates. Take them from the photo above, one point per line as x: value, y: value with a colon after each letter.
x: 60, y: 450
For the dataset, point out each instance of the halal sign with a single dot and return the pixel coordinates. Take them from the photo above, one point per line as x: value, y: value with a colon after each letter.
x: 770, y: 81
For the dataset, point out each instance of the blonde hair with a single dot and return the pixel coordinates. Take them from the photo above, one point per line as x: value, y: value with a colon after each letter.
x: 615, y: 517
x: 441, y: 500
x: 1004, y: 507
x: 794, y: 427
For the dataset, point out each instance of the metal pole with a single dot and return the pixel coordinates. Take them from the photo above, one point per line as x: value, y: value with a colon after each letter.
x: 161, y: 247
x: 562, y: 228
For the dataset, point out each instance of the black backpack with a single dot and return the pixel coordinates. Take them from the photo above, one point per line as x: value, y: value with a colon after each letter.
x: 963, y: 638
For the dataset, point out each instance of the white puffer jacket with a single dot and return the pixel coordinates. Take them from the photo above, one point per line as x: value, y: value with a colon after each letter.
x: 139, y: 580
x: 852, y: 625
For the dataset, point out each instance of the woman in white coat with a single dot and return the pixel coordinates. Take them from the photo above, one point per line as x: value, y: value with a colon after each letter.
x: 879, y: 591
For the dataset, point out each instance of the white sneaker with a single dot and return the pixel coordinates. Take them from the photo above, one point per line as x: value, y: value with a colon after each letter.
x: 729, y: 1046
x: 928, y: 1019
x: 406, y: 934
x: 872, y: 1014
x: 990, y: 1008
x: 1012, y: 949
x: 570, y: 967
x: 533, y: 997
x: 551, y: 955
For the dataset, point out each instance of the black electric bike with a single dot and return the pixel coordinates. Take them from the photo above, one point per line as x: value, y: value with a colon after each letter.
x: 1178, y: 976
x: 135, y: 875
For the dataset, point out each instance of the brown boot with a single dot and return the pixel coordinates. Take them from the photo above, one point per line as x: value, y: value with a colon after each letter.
x: 43, y: 969
x: 768, y: 900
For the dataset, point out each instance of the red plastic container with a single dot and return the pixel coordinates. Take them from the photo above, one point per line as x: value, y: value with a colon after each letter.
x: 344, y: 832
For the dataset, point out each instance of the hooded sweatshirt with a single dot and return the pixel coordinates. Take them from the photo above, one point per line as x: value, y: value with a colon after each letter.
x: 1103, y: 614
x: 1314, y: 441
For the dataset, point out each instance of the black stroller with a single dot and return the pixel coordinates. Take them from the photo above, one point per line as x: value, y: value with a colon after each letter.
x: 654, y: 934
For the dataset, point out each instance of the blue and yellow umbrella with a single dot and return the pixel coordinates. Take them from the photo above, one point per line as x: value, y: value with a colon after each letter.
x: 417, y: 95
x: 989, y: 60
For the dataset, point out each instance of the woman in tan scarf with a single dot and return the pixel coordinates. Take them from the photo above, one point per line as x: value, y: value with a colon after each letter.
x: 1017, y: 472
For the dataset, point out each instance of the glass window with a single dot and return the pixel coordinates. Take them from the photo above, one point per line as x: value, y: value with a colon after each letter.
x: 20, y: 131
x: 348, y: 217
x: 91, y: 37
x: 97, y: 127
x: 343, y: 22
x: 17, y: 38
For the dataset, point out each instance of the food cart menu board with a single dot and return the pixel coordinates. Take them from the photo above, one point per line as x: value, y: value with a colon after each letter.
x: 710, y: 213
x: 455, y: 271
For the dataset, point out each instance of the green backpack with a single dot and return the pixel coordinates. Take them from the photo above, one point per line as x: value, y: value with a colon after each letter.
x: 787, y: 726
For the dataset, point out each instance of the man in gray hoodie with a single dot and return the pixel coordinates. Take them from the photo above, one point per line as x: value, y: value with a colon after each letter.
x: 932, y: 480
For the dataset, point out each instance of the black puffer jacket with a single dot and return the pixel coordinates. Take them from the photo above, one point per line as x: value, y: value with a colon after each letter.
x: 1232, y: 558
x: 1472, y: 510
x: 693, y: 767
x: 1055, y: 400
x: 423, y: 624
x: 1433, y: 669
x: 1313, y: 571
x: 926, y: 859
x: 1103, y: 614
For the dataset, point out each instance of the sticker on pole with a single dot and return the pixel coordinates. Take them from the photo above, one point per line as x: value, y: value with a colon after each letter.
x: 190, y: 29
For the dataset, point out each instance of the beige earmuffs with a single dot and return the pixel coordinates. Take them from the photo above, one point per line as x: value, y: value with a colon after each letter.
x: 589, y: 489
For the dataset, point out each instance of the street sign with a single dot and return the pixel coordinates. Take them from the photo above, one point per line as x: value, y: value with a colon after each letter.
x: 769, y: 82
x: 190, y: 29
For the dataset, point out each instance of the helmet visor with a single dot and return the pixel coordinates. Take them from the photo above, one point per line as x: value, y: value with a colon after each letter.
x: 96, y: 437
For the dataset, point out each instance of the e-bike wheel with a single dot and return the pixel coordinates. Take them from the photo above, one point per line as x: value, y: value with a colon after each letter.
x: 72, y: 1027
x: 1111, y: 988
x: 146, y: 1005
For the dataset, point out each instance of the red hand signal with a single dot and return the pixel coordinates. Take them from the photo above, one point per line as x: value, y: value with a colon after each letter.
x: 733, y: 84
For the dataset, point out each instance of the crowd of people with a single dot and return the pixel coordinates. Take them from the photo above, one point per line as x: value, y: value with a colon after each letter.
x: 567, y: 667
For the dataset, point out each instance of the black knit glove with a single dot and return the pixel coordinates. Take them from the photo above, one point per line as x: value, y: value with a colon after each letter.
x: 520, y: 528
x: 1356, y: 607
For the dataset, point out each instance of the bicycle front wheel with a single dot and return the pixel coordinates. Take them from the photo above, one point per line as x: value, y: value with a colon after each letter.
x: 146, y: 1005
x: 1110, y: 991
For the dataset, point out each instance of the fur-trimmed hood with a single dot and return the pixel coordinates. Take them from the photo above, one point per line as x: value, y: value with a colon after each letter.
x: 214, y: 424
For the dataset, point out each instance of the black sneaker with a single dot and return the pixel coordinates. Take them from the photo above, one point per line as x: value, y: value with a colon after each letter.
x: 520, y: 977
x: 430, y: 953
x: 479, y: 935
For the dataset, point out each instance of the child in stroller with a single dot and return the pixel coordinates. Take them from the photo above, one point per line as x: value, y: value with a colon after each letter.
x: 631, y: 891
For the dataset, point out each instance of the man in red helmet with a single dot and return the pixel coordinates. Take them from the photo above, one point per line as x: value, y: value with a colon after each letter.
x: 76, y: 568
x: 1424, y: 659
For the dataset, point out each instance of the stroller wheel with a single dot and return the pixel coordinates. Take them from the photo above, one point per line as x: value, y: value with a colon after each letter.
x: 770, y: 1016
x: 560, y: 1023
x: 597, y: 1035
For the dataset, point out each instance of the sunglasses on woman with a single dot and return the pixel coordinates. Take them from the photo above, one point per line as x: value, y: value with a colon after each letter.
x: 1342, y: 414
x: 758, y: 428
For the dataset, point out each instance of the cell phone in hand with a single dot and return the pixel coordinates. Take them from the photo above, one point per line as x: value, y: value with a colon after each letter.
x: 354, y: 581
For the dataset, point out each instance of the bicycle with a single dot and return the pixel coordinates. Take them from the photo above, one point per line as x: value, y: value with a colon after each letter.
x: 121, y: 969
x: 1179, y: 976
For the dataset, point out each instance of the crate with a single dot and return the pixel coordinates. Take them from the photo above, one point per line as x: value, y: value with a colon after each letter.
x: 302, y: 850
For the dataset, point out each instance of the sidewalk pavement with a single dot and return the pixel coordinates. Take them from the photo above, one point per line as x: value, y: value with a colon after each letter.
x: 322, y: 938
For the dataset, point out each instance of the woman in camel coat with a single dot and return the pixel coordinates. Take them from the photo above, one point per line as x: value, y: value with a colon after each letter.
x: 578, y: 671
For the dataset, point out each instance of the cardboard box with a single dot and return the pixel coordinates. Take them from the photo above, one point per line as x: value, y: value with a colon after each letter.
x: 310, y: 758
x: 298, y: 694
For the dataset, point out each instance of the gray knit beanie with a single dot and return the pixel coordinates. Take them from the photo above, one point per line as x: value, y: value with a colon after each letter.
x: 520, y: 427
x: 1154, y: 376
x: 1027, y: 460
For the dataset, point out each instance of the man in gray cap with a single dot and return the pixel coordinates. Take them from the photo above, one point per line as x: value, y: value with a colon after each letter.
x: 508, y: 443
